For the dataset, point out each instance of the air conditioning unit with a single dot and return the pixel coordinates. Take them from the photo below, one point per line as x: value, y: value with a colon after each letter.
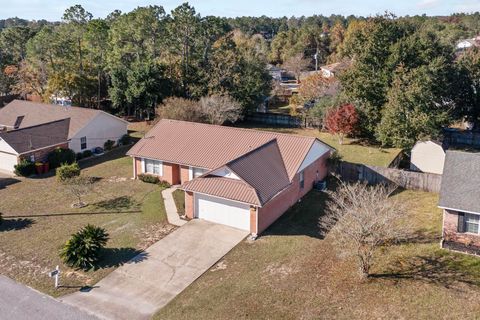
x: 320, y: 185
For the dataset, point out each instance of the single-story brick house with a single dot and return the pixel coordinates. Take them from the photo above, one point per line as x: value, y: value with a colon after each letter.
x: 460, y: 201
x: 89, y: 128
x: 32, y: 143
x: 238, y: 177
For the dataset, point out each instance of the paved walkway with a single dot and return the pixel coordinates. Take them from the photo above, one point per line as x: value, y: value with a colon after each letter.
x: 149, y: 281
x: 23, y: 303
x: 171, y: 208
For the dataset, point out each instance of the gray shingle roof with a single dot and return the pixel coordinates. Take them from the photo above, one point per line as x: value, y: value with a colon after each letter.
x: 460, y: 188
x: 37, y: 137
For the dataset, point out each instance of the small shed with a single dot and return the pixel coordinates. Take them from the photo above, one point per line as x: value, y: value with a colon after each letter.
x: 427, y: 156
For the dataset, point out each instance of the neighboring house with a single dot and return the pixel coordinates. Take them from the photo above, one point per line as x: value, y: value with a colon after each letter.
x: 275, y: 72
x: 334, y: 69
x: 89, y: 128
x: 468, y: 43
x: 32, y: 143
x: 460, y: 201
x: 238, y: 177
x: 427, y: 156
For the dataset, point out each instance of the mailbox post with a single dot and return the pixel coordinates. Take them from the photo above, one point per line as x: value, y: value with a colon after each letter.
x: 55, y: 273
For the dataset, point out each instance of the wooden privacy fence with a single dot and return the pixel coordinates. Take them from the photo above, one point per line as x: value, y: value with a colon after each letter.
x: 374, y: 175
x: 275, y: 119
x: 461, y: 138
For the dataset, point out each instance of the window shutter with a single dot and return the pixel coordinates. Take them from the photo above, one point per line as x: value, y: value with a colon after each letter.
x: 461, y: 222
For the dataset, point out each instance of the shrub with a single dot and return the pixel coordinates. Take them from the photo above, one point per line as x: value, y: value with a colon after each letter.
x: 79, y: 156
x: 108, y: 145
x: 164, y: 184
x: 83, y: 249
x: 24, y: 168
x: 60, y: 156
x: 125, y: 140
x: 67, y: 171
x: 87, y: 153
x: 149, y: 178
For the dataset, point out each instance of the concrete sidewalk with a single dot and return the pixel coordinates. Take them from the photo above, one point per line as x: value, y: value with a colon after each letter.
x: 20, y: 302
x: 171, y: 208
x: 150, y: 280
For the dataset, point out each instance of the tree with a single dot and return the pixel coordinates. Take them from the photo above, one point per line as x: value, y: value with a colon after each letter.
x: 361, y: 219
x: 342, y: 121
x: 218, y: 109
x: 79, y: 186
x: 83, y: 249
x: 296, y: 64
x: 418, y: 106
x: 467, y: 85
x: 180, y: 109
x: 313, y: 87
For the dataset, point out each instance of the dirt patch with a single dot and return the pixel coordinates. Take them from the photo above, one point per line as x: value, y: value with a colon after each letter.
x: 151, y: 234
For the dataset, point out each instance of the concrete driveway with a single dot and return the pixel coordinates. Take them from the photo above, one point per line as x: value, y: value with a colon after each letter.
x: 149, y: 281
x: 23, y: 303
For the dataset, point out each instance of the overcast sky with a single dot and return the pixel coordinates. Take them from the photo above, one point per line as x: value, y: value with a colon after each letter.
x: 53, y: 9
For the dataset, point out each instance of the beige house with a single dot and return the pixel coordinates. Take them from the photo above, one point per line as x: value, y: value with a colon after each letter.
x: 88, y: 128
x: 427, y: 156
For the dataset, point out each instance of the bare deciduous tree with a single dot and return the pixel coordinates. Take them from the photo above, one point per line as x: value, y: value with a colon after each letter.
x: 217, y: 109
x: 362, y: 218
x: 179, y: 109
x: 79, y: 187
x: 296, y: 65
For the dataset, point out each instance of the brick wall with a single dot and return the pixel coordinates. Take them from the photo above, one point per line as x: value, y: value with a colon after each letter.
x: 282, y: 202
x: 184, y: 174
x: 455, y: 240
x: 42, y: 154
x: 189, y: 205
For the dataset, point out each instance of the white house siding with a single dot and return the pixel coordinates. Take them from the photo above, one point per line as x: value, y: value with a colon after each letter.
x: 317, y: 150
x: 102, y: 128
x: 427, y: 156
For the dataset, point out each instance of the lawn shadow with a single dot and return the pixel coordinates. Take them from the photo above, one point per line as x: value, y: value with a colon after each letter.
x: 445, y: 270
x: 15, y: 224
x: 116, y: 204
x: 420, y: 237
x: 114, y: 154
x: 5, y: 182
x: 303, y: 218
x: 116, y: 257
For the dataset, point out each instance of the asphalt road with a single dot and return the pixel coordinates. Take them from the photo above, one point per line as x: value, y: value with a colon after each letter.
x: 23, y: 303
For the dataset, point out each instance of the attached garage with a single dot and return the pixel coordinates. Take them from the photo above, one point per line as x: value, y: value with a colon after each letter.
x: 7, y: 162
x: 222, y: 211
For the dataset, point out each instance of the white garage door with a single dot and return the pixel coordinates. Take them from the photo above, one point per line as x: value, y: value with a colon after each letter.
x: 7, y: 161
x: 223, y: 211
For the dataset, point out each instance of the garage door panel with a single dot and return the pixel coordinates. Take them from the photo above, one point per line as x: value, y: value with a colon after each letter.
x: 7, y: 161
x: 223, y: 211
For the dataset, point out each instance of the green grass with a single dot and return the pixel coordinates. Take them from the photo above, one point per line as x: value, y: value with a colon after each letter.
x: 39, y: 219
x: 179, y: 199
x: 290, y: 272
x: 352, y: 150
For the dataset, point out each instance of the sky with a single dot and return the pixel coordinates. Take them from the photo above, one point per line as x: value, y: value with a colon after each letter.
x: 52, y: 10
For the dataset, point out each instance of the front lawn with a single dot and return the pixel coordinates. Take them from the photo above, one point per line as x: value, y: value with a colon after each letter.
x: 179, y: 198
x: 352, y: 150
x: 291, y: 273
x: 39, y: 219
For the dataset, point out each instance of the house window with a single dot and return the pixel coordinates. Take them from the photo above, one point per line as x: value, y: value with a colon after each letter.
x: 83, y: 143
x: 197, y: 172
x: 153, y: 167
x: 302, y: 180
x: 471, y: 223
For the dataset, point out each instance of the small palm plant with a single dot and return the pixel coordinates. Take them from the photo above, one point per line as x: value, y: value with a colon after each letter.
x: 83, y: 249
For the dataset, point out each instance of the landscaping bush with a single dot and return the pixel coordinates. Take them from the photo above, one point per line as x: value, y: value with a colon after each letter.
x: 149, y: 178
x: 83, y: 249
x: 67, y: 171
x: 60, y: 156
x: 108, y: 145
x: 164, y: 184
x: 24, y: 168
x: 79, y: 156
x: 125, y: 140
x: 87, y: 153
